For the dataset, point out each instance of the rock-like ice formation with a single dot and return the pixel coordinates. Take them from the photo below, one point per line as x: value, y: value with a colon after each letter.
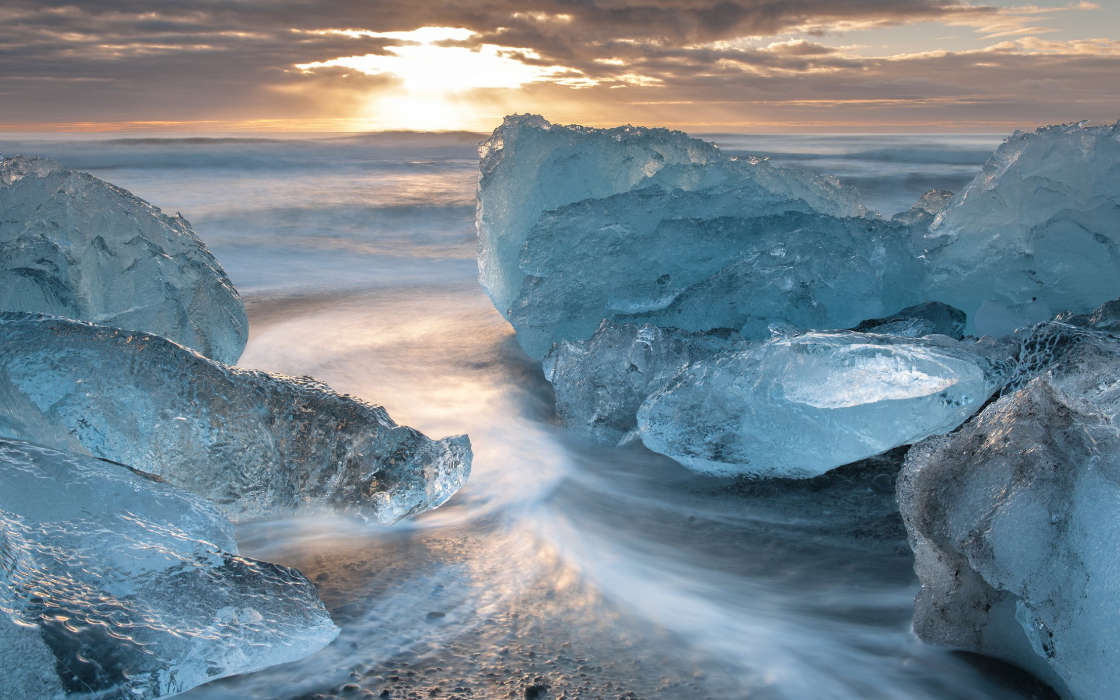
x: 1014, y: 529
x: 113, y: 584
x: 1013, y: 518
x: 75, y: 246
x: 1036, y: 232
x: 554, y: 198
x: 600, y: 383
x: 799, y: 406
x: 255, y: 443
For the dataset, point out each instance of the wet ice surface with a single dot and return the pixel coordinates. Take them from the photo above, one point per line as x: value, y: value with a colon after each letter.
x: 596, y: 572
x: 115, y: 584
x: 255, y: 443
x: 802, y: 405
x: 73, y: 245
x: 1010, y: 517
x: 1035, y: 233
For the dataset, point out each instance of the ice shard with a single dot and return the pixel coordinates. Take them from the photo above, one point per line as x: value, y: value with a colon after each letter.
x: 1036, y: 232
x: 255, y: 443
x: 799, y: 406
x: 75, y: 246
x: 925, y: 210
x: 114, y: 584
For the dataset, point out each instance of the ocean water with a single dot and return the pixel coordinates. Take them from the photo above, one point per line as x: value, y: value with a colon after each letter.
x: 561, y: 569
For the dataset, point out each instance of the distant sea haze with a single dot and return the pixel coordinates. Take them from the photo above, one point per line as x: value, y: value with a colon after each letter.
x: 341, y: 212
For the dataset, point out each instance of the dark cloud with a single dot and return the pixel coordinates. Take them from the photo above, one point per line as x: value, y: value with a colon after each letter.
x: 115, y: 60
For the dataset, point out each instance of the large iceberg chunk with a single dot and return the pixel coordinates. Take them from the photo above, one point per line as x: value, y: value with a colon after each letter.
x: 1036, y: 232
x: 113, y: 584
x: 253, y: 442
x: 530, y: 168
x: 670, y: 259
x: 799, y: 406
x: 1013, y: 523
x: 1014, y: 518
x: 73, y: 245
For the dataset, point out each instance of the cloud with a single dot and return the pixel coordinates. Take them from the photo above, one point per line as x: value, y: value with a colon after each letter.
x: 681, y: 61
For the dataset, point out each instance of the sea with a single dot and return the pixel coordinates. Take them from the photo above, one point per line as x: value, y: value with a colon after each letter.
x: 562, y: 569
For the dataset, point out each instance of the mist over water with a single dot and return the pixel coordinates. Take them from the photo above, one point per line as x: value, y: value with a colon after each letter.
x: 596, y: 572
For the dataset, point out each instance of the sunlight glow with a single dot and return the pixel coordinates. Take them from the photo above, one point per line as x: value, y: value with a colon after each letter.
x: 441, y: 69
x: 433, y: 75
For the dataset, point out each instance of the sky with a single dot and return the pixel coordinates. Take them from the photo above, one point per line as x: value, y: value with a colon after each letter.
x: 234, y: 66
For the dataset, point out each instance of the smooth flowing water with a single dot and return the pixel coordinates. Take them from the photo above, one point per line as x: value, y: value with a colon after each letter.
x: 561, y: 570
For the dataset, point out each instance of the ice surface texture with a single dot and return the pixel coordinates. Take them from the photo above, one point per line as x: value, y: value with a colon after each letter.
x: 601, y: 382
x: 577, y: 224
x: 1036, y: 232
x: 799, y: 406
x: 75, y: 246
x: 255, y: 443
x: 608, y: 259
x: 1013, y: 519
x: 116, y: 585
x: 930, y: 318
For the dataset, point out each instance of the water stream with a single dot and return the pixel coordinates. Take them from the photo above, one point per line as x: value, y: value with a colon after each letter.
x: 562, y: 570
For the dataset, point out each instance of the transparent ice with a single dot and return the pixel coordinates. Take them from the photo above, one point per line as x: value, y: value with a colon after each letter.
x: 1036, y: 232
x: 255, y: 443
x: 599, y: 383
x: 930, y: 318
x: 114, y: 584
x: 75, y: 246
x: 925, y: 210
x: 622, y: 185
x: 799, y: 406
x: 671, y: 259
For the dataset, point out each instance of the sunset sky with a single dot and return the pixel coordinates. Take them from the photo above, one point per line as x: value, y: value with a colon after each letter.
x: 703, y: 65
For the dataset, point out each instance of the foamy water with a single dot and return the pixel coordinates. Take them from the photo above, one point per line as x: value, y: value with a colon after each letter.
x: 594, y: 572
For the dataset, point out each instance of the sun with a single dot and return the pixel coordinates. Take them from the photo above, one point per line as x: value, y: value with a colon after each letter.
x: 433, y: 78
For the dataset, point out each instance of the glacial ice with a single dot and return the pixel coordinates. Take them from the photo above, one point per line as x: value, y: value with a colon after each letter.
x: 255, y: 443
x: 601, y: 382
x: 114, y: 584
x: 562, y: 207
x: 925, y: 210
x: 1012, y: 519
x: 930, y: 318
x: 798, y: 406
x: 1036, y: 232
x: 658, y: 258
x: 75, y: 246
